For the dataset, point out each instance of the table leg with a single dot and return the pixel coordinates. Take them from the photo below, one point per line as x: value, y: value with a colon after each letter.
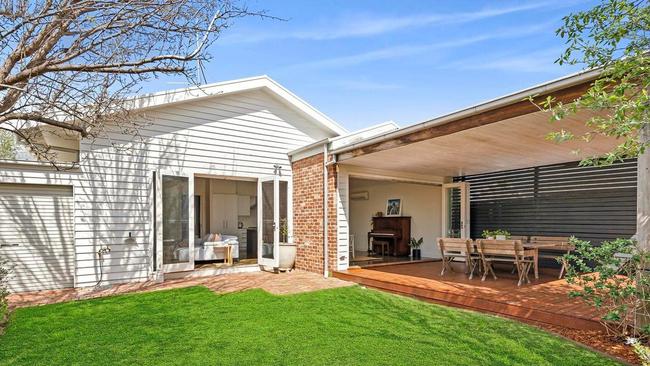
x: 536, y: 262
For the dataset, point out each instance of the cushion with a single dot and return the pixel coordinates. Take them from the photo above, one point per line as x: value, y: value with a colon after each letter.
x: 213, y: 237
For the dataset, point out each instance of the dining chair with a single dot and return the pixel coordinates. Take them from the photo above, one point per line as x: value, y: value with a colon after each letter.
x: 505, y: 251
x: 452, y: 248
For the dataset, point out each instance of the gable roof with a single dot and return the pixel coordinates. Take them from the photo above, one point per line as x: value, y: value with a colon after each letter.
x: 263, y: 82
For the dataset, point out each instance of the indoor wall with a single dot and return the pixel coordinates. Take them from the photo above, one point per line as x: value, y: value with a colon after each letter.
x: 236, y: 198
x: 420, y: 201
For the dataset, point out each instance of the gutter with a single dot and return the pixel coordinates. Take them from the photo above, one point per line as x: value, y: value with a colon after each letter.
x: 326, y: 140
x: 545, y: 88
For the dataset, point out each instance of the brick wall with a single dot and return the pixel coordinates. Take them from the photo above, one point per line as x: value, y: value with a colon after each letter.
x: 308, y: 213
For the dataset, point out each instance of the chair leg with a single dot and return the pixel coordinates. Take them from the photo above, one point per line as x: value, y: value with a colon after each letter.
x: 564, y: 264
x: 472, y: 267
x: 523, y: 272
x: 445, y: 259
x: 488, y: 269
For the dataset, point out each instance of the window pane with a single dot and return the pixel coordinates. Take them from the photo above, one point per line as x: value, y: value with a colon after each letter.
x: 175, y: 219
x: 284, y: 223
x: 268, y: 225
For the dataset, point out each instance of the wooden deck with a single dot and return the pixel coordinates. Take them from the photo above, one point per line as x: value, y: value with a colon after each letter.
x: 544, y: 300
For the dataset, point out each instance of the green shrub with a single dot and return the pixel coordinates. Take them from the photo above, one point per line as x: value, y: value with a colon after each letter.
x: 493, y: 233
x: 614, y: 278
x: 4, y: 273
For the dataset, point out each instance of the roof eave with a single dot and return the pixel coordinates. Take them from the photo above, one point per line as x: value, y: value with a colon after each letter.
x: 544, y: 88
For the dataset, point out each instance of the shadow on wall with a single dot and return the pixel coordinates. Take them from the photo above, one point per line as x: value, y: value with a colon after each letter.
x: 239, y: 135
x: 37, y: 236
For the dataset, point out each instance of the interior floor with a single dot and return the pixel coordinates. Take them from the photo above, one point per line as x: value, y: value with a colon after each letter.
x: 220, y: 263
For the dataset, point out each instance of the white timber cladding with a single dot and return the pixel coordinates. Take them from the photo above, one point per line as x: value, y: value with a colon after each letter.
x: 37, y: 236
x: 342, y: 222
x: 238, y: 135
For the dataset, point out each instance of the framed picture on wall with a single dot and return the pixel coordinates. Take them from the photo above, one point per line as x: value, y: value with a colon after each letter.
x: 394, y: 207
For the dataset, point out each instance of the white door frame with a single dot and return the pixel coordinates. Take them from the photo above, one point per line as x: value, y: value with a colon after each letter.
x: 174, y: 267
x: 464, y: 208
x: 276, y: 179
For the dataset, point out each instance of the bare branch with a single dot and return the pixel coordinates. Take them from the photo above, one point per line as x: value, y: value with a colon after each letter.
x: 72, y: 64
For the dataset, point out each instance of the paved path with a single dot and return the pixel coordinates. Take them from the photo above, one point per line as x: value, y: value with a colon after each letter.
x: 279, y: 284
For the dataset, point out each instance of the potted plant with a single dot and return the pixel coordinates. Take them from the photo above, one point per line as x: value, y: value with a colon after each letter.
x: 287, y: 250
x: 498, y: 234
x: 415, y: 248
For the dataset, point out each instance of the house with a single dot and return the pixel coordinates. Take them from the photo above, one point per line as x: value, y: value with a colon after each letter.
x: 263, y: 166
x: 121, y: 213
x: 489, y: 166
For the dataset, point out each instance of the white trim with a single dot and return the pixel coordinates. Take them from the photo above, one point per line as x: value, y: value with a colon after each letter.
x: 335, y: 142
x: 175, y: 267
x: 170, y: 97
x: 306, y: 151
x: 74, y: 236
x: 464, y: 208
x: 343, y: 220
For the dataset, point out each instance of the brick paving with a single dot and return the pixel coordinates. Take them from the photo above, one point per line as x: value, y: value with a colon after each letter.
x: 278, y: 284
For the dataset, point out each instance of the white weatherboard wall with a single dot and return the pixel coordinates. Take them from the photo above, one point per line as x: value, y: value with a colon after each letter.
x: 420, y: 201
x: 37, y: 236
x: 233, y: 135
x: 342, y: 222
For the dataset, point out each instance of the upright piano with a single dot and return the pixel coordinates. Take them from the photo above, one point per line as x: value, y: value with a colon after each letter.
x: 396, y: 230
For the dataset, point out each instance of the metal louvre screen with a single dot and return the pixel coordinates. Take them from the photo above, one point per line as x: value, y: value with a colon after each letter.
x: 592, y: 203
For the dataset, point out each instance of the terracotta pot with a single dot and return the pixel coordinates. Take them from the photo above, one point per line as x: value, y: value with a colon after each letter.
x: 287, y: 256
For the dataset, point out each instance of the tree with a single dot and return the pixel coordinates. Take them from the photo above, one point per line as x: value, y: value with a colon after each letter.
x: 7, y: 145
x: 72, y: 64
x: 613, y: 37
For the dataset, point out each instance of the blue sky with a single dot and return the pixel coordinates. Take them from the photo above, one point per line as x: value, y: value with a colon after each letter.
x: 366, y: 62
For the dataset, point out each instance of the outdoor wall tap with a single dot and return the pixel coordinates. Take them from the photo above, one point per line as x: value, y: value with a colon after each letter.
x: 100, y: 253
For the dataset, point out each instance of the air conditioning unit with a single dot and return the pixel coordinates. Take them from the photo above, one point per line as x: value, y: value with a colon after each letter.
x: 358, y: 196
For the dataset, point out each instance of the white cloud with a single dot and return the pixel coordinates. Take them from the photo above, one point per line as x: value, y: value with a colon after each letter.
x: 535, y: 62
x: 366, y: 85
x: 413, y: 50
x: 365, y: 26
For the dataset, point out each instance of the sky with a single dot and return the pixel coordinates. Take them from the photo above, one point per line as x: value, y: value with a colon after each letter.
x: 365, y: 62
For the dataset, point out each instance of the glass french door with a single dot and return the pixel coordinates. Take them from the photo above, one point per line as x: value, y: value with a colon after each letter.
x: 455, y: 210
x: 174, y: 221
x: 274, y: 219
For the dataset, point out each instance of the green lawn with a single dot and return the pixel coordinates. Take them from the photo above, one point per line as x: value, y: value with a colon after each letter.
x: 346, y: 326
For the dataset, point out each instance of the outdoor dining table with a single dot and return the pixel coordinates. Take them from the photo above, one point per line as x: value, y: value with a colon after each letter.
x: 535, y: 247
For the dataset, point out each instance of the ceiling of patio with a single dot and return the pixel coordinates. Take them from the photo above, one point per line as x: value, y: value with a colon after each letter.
x: 514, y: 143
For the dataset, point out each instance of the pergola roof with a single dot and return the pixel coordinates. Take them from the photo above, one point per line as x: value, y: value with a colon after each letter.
x: 501, y: 134
x: 513, y: 143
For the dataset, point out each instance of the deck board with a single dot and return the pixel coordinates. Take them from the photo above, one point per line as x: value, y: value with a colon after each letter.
x: 544, y: 300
